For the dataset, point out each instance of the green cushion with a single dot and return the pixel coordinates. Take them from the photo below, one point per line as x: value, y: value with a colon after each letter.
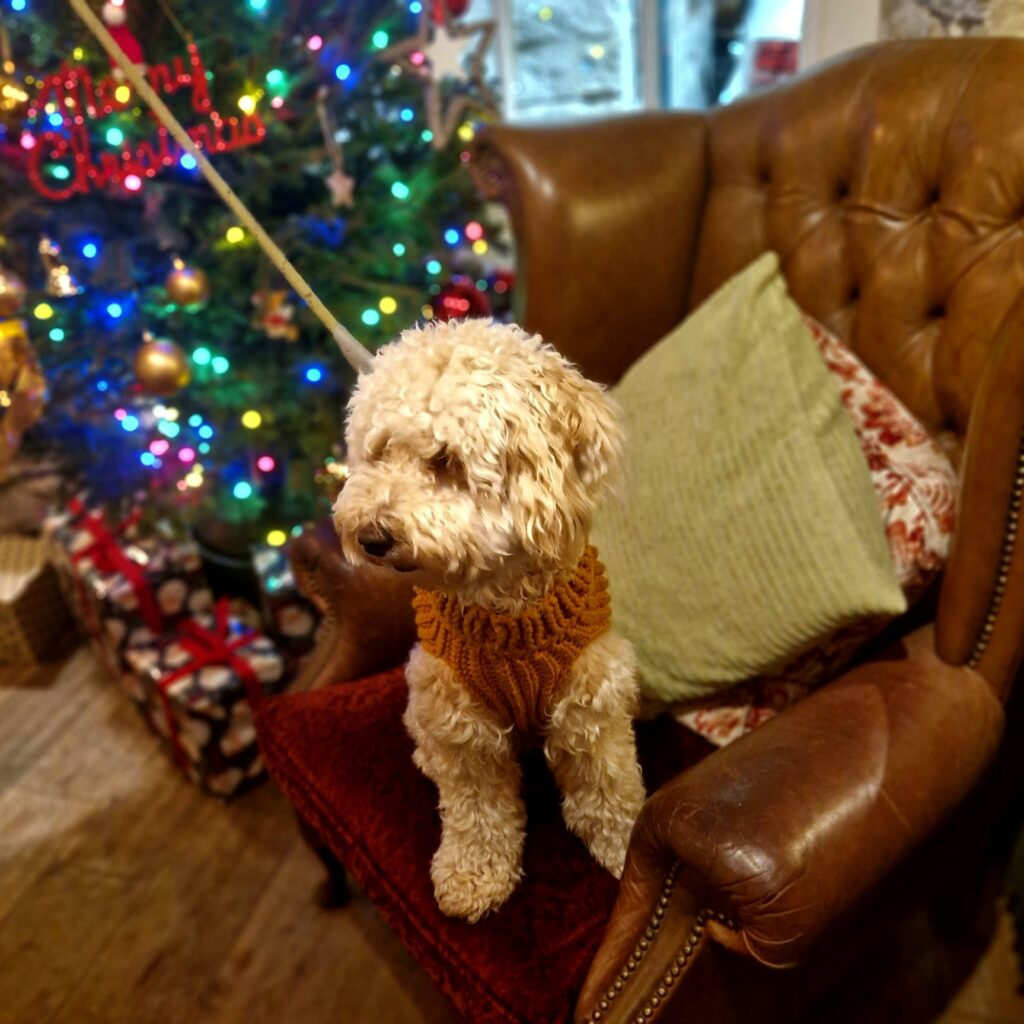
x: 748, y: 529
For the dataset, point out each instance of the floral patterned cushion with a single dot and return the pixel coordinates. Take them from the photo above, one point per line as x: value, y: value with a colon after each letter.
x: 917, y: 488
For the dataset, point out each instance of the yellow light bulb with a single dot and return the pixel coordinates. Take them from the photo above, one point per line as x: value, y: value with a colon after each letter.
x: 388, y: 305
x: 251, y: 419
x: 545, y: 14
x: 480, y: 247
x: 234, y: 235
x: 122, y: 94
x: 43, y: 311
x: 78, y: 53
x: 427, y: 312
x: 276, y: 538
x: 247, y: 103
x: 597, y: 51
x: 194, y: 479
x: 466, y: 132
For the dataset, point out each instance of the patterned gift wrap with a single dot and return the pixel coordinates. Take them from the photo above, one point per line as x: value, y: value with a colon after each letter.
x: 124, y: 589
x: 290, y: 618
x: 196, y: 689
x: 34, y: 620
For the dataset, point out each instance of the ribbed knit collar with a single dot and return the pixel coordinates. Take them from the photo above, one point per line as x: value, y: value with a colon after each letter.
x: 567, y: 605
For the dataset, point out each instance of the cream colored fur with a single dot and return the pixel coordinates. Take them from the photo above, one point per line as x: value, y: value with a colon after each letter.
x: 481, y: 454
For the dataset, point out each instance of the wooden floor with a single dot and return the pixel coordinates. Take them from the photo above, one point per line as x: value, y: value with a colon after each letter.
x: 128, y: 897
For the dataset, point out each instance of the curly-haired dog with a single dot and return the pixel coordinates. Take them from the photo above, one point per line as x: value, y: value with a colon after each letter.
x: 477, y: 455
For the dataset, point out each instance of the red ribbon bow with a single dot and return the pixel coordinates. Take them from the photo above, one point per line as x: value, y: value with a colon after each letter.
x: 208, y: 647
x: 106, y: 554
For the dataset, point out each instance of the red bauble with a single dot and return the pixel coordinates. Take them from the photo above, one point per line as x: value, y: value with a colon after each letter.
x: 451, y: 8
x: 459, y: 298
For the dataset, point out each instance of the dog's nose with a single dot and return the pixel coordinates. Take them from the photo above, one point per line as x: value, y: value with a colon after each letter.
x: 376, y: 542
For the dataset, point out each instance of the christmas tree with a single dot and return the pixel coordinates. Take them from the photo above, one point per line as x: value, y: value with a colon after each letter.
x: 178, y: 365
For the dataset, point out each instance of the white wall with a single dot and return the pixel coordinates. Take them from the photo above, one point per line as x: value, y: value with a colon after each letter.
x: 832, y: 26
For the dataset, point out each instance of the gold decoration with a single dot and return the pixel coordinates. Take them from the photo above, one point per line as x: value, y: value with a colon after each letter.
x: 14, y: 97
x: 436, y: 53
x: 12, y: 293
x: 187, y: 286
x: 60, y: 282
x: 161, y: 367
x: 22, y: 389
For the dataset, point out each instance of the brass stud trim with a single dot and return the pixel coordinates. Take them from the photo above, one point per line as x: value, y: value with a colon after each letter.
x: 1005, y: 559
x: 662, y: 990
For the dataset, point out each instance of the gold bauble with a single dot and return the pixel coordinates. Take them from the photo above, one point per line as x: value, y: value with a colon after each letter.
x: 187, y: 286
x: 22, y: 389
x: 12, y: 293
x: 161, y: 367
x: 15, y: 351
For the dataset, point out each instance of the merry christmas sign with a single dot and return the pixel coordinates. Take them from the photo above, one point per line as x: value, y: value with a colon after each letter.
x: 71, y: 101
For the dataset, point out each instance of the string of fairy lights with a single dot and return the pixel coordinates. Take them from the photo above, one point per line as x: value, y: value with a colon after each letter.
x: 176, y: 439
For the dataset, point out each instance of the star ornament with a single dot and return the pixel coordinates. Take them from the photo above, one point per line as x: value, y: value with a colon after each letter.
x: 340, y: 186
x: 447, y: 51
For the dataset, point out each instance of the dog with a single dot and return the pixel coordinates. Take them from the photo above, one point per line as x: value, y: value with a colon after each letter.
x: 477, y: 456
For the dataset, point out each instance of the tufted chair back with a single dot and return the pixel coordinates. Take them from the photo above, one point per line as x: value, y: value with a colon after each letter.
x: 891, y: 183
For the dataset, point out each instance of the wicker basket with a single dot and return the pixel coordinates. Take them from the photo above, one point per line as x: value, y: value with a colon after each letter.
x: 34, y: 621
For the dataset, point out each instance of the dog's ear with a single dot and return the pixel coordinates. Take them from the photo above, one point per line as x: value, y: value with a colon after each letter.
x: 594, y: 432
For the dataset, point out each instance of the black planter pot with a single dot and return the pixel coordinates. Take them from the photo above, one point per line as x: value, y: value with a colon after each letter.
x: 226, y: 550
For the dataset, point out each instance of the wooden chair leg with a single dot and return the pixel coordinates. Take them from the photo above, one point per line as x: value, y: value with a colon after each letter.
x: 333, y: 891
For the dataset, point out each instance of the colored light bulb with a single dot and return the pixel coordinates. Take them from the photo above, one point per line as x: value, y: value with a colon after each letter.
x: 276, y: 538
x: 251, y: 419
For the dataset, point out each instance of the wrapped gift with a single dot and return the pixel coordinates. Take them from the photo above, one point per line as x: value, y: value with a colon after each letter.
x: 34, y: 620
x: 124, y: 589
x: 290, y: 618
x: 197, y: 687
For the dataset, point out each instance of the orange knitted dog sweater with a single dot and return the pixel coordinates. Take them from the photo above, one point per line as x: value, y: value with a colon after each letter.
x: 517, y: 665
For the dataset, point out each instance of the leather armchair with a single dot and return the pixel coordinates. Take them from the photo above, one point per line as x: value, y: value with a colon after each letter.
x: 891, y: 183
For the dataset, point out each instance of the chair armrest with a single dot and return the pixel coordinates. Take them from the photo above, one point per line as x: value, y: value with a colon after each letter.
x: 606, y: 217
x: 776, y: 838
x: 981, y: 608
x: 368, y: 618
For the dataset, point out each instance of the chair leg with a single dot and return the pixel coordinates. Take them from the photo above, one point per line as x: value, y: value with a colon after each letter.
x: 333, y: 891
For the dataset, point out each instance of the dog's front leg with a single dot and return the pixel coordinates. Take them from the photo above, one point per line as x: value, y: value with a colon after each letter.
x: 592, y: 750
x: 474, y: 765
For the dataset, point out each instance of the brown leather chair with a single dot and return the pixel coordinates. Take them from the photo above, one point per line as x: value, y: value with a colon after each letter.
x: 891, y: 183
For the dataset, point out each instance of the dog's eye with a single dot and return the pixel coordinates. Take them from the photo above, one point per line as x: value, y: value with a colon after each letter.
x: 447, y: 468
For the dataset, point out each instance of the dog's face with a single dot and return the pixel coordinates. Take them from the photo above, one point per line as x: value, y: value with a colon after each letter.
x: 476, y: 457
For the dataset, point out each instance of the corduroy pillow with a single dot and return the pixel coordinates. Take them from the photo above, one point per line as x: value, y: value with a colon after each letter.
x: 749, y: 529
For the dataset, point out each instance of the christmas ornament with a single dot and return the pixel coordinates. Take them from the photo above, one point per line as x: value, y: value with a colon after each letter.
x: 338, y: 182
x: 60, y: 282
x: 458, y: 298
x: 186, y: 286
x: 161, y: 367
x: 97, y: 98
x: 274, y: 315
x: 439, y: 51
x: 22, y: 389
x: 12, y: 293
x: 115, y: 16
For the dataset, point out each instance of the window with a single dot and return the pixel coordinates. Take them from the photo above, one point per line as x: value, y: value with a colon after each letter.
x: 564, y: 59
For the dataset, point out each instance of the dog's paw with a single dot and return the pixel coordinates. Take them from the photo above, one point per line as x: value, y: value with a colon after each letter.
x: 471, y: 882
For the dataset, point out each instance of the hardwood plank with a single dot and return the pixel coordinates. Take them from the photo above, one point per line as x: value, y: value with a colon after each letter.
x: 60, y: 924
x: 179, y: 922
x: 34, y: 718
x: 295, y: 962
